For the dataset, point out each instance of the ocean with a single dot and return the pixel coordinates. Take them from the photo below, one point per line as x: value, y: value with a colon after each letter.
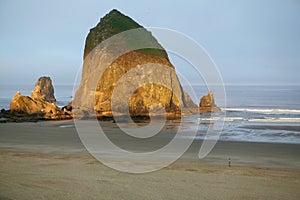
x: 257, y: 114
x: 253, y: 113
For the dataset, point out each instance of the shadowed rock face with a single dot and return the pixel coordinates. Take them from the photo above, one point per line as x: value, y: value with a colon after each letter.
x: 43, y: 90
x: 207, y: 104
x: 149, y: 69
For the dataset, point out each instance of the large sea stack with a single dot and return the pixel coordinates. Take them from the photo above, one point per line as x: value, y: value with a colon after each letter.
x: 161, y: 88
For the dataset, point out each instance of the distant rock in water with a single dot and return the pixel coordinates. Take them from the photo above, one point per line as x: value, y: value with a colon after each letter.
x: 43, y: 90
x: 41, y: 104
x: 162, y: 86
x: 207, y: 104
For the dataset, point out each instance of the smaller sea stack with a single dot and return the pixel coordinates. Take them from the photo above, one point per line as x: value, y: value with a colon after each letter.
x: 207, y: 104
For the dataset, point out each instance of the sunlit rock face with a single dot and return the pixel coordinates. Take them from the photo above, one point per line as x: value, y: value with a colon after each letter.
x: 41, y: 103
x: 207, y: 104
x: 25, y: 104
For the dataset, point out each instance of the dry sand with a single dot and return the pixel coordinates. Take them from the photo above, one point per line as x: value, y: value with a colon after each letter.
x: 43, y: 161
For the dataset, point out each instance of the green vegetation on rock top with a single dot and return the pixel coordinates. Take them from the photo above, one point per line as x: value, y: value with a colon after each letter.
x: 113, y: 23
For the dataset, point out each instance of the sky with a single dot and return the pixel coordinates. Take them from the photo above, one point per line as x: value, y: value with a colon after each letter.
x: 252, y: 42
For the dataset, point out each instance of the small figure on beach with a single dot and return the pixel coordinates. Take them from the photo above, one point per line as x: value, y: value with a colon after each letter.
x: 229, y: 162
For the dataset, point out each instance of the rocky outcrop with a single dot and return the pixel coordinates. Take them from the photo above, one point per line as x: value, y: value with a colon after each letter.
x: 39, y: 106
x: 43, y: 90
x: 149, y: 69
x: 25, y: 104
x: 207, y: 104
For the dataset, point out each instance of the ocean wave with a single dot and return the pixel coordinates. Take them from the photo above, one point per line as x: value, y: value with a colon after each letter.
x: 288, y: 139
x: 265, y: 111
x: 231, y: 119
x: 222, y: 118
x: 275, y: 120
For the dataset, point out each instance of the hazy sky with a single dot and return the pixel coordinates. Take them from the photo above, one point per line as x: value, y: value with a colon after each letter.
x: 252, y: 42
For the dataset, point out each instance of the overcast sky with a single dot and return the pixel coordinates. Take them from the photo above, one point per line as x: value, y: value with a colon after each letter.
x: 252, y: 42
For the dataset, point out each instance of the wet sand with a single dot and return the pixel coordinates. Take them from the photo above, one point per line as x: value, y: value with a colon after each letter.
x: 46, y: 160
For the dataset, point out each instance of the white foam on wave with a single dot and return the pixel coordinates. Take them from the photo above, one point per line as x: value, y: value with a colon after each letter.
x: 266, y: 111
x: 296, y: 120
x: 231, y: 119
x: 66, y: 126
x: 249, y: 138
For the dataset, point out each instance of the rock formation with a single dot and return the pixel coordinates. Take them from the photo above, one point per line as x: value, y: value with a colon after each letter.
x: 25, y: 104
x: 43, y: 90
x: 207, y: 104
x: 40, y: 105
x: 161, y: 88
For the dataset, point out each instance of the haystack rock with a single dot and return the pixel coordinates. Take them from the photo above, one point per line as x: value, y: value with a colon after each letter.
x: 144, y: 79
x: 44, y: 90
x: 207, y: 104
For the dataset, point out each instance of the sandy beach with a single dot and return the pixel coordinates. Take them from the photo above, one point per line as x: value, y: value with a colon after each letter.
x: 46, y: 160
